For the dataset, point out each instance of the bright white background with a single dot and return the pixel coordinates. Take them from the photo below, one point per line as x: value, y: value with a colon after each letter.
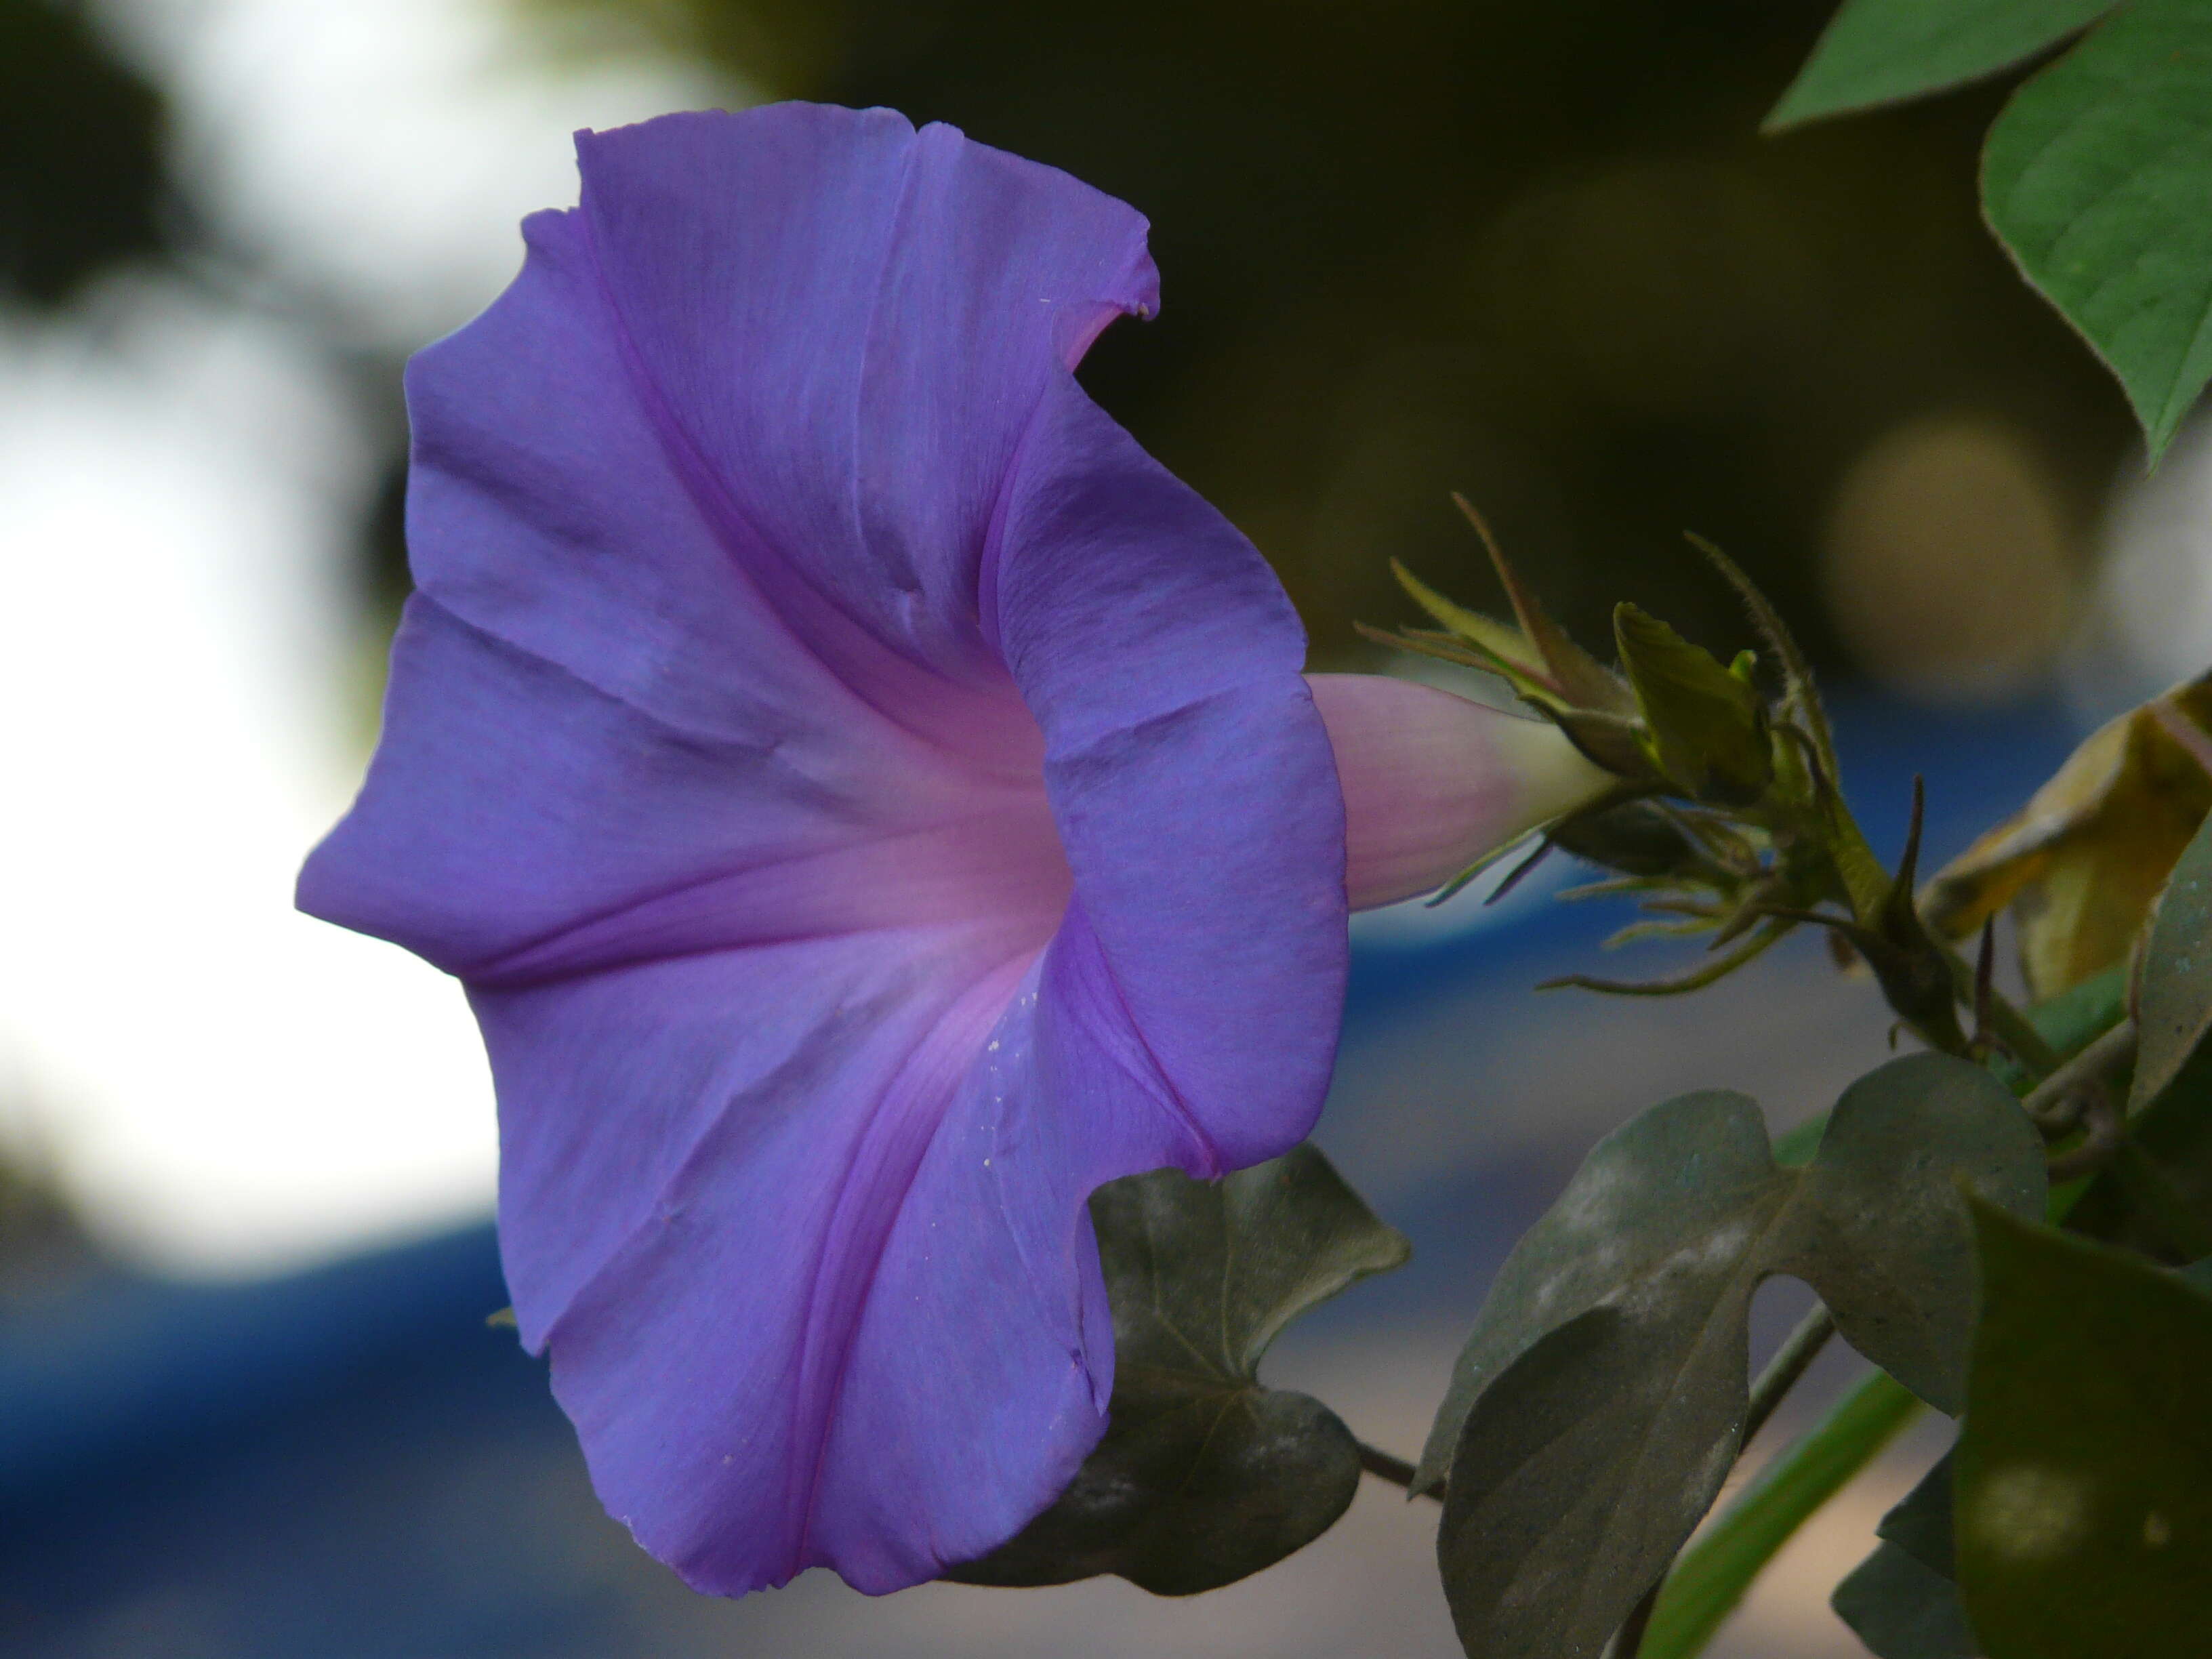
x: 185, y: 700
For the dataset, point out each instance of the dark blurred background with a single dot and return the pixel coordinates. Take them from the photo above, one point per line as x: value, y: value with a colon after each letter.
x: 1540, y: 255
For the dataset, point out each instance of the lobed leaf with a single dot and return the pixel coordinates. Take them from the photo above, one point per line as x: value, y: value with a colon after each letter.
x: 1204, y: 1476
x: 1600, y: 1401
x: 1719, y: 1568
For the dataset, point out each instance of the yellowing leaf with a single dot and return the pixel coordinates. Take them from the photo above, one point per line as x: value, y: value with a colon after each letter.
x: 2081, y: 864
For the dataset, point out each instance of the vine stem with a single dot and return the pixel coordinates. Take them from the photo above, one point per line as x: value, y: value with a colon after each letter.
x: 1388, y: 1465
x: 2012, y: 1028
x: 1781, y: 1374
x: 2059, y: 1099
x: 1798, y: 1351
x: 2089, y: 1068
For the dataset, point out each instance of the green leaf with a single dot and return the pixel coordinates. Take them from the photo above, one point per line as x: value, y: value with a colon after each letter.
x: 2157, y: 1192
x: 1204, y: 1476
x: 2085, y: 1466
x: 1902, y: 1609
x: 1694, y: 1169
x: 1920, y: 1525
x: 1795, y: 1147
x: 2070, y: 1022
x: 1687, y: 1197
x: 2176, y: 999
x: 1599, y: 1401
x: 1579, y: 1475
x: 1715, y: 1572
x: 1884, y: 1238
x: 1708, y: 728
x: 1903, y: 1600
x: 1878, y: 51
x: 2095, y: 177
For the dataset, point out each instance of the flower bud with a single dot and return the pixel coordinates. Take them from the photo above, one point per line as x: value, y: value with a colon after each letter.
x: 1432, y: 782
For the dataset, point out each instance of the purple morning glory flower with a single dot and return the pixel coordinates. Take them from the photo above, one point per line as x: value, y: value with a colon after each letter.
x: 870, y: 803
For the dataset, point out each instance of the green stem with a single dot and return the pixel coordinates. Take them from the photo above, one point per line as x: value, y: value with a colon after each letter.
x: 1718, y: 969
x: 2014, y: 1029
x: 1797, y: 1354
x: 1719, y: 1568
x: 1388, y: 1465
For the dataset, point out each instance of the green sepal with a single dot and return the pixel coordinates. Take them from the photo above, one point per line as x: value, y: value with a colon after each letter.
x: 1639, y: 838
x: 1582, y: 680
x: 1507, y: 647
x: 1613, y: 742
x: 1706, y: 729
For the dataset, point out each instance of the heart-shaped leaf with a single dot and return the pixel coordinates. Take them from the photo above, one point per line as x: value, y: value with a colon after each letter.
x: 1599, y: 1401
x: 1204, y: 1476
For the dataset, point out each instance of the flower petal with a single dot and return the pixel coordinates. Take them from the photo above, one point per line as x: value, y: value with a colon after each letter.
x: 518, y: 823
x: 1432, y: 781
x: 797, y: 646
x: 1191, y: 779
x: 817, y: 1282
x: 920, y: 1353
x: 843, y: 340
x: 874, y: 313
